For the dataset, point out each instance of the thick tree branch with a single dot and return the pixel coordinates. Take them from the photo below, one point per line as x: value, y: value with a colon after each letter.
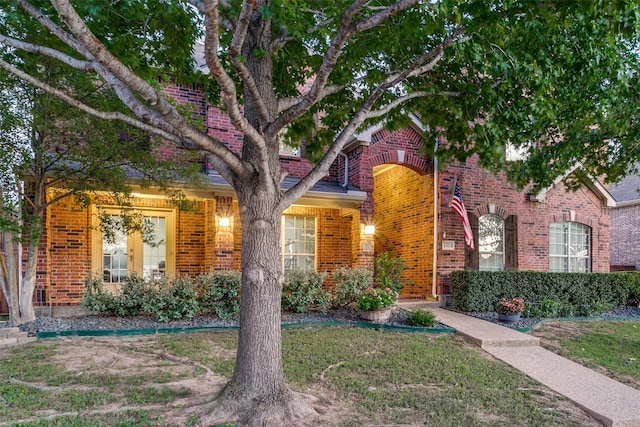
x: 230, y: 98
x: 235, y: 52
x: 322, y: 75
x: 139, y: 109
x: 52, y: 53
x: 363, y: 113
x: 55, y: 29
x: 107, y: 115
x: 322, y: 168
x: 383, y: 15
x: 137, y: 85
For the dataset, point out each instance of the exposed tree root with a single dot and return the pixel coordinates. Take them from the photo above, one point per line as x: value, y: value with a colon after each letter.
x: 336, y: 365
x: 185, y: 361
x: 286, y: 409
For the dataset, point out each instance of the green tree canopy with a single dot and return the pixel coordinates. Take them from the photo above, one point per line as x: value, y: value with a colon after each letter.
x: 557, y: 79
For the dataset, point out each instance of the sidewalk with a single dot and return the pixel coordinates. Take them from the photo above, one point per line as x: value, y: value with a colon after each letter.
x: 609, y: 401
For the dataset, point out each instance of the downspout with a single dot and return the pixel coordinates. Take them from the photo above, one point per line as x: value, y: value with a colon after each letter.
x: 346, y: 170
x: 434, y: 283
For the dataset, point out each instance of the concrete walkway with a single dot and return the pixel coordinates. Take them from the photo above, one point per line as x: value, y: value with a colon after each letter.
x: 609, y: 401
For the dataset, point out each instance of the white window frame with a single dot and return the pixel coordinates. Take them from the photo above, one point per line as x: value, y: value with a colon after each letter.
x: 572, y: 230
x: 291, y: 263
x: 484, y: 252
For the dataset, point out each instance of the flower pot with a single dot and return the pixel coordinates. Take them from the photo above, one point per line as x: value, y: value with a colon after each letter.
x: 377, y: 315
x: 509, y: 318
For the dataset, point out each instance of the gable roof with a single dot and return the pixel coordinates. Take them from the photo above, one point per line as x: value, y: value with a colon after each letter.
x: 591, y: 182
x: 626, y: 191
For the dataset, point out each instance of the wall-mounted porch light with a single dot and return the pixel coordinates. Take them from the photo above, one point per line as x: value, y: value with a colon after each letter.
x: 224, y: 224
x: 369, y: 230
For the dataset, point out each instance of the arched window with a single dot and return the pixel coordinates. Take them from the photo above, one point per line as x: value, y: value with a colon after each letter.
x: 491, y: 242
x: 569, y: 247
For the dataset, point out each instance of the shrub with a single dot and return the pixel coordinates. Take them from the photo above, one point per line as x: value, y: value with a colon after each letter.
x: 632, y: 280
x: 95, y: 297
x: 219, y: 293
x: 421, y: 317
x: 349, y: 284
x: 174, y: 300
x: 544, y: 308
x: 577, y: 292
x: 374, y: 298
x: 387, y: 271
x: 302, y: 291
x: 136, y: 296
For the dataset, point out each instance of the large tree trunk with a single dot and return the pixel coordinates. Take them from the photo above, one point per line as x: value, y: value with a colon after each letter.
x: 28, y: 284
x: 257, y: 393
x: 10, y: 278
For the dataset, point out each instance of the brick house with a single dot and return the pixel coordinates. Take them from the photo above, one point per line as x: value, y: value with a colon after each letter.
x: 381, y: 195
x: 625, y: 224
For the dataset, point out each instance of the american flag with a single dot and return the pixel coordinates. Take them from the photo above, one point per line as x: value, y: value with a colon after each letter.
x: 458, y: 206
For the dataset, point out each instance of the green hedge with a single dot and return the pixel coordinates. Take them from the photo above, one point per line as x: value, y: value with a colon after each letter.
x: 216, y: 292
x: 481, y: 290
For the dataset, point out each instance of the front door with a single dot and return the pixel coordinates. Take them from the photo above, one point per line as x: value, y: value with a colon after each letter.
x: 150, y: 255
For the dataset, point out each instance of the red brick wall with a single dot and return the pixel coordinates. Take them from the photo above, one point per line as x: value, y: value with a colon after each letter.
x: 625, y: 232
x: 69, y: 252
x: 191, y: 236
x: 400, y: 201
x: 333, y: 240
x: 403, y: 215
x: 481, y: 188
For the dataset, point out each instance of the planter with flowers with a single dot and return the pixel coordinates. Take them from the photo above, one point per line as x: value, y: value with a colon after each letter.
x: 509, y: 311
x: 375, y: 304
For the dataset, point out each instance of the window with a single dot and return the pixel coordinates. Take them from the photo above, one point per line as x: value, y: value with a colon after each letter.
x: 298, y: 243
x: 514, y: 154
x: 286, y: 150
x: 491, y: 242
x: 288, y: 146
x: 569, y: 247
x: 151, y: 256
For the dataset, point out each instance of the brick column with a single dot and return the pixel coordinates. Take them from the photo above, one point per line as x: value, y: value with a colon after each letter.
x: 362, y: 246
x: 224, y: 234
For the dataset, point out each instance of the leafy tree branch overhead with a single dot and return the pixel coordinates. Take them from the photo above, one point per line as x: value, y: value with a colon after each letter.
x: 556, y: 79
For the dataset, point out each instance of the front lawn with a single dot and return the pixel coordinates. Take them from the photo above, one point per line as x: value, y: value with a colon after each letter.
x: 358, y: 376
x: 610, y: 347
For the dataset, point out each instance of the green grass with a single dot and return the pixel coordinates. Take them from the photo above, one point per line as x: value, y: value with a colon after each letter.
x: 611, y: 345
x: 376, y: 377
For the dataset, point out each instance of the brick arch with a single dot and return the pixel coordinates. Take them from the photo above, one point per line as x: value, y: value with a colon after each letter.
x: 400, y: 157
x: 490, y: 209
x: 572, y: 216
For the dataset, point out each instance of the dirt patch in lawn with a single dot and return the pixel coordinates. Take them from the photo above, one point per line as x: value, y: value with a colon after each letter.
x: 147, y: 363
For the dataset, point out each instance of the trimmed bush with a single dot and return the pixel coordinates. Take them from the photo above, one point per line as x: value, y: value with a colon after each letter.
x: 421, y: 317
x: 216, y: 293
x: 174, y: 300
x: 349, y: 284
x: 136, y: 296
x: 219, y: 293
x: 302, y: 291
x: 95, y: 297
x: 572, y: 294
